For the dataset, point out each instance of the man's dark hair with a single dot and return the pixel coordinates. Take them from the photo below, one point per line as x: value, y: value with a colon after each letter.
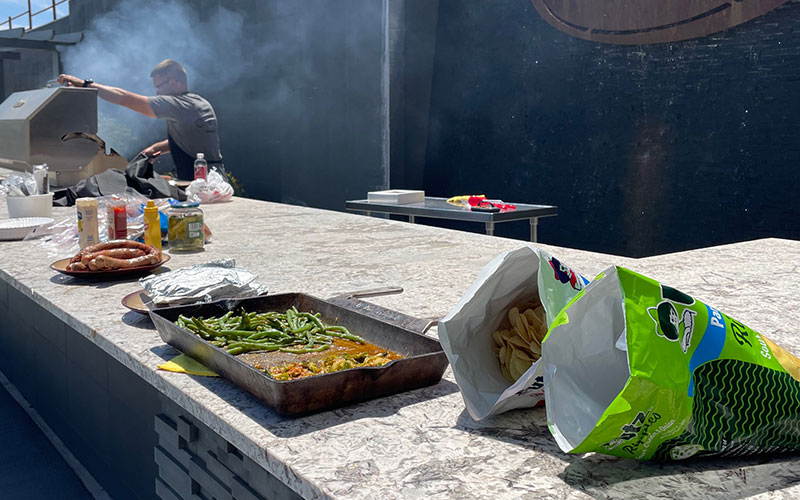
x: 171, y: 69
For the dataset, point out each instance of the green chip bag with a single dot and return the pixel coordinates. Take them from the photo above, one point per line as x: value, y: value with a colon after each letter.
x: 637, y: 369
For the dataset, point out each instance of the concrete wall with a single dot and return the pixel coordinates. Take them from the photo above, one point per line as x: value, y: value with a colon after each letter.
x: 32, y: 70
x: 412, y: 42
x: 645, y: 149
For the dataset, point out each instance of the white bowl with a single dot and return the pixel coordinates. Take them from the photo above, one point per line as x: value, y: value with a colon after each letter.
x: 36, y: 205
x: 17, y: 229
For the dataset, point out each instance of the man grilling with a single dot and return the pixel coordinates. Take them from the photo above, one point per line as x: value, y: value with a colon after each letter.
x: 191, y: 121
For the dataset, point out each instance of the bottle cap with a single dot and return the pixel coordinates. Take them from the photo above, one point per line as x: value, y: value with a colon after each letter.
x: 150, y: 207
x: 200, y: 156
x: 186, y: 204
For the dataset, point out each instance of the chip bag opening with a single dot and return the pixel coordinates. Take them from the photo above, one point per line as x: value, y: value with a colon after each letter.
x: 492, y: 337
x: 637, y: 369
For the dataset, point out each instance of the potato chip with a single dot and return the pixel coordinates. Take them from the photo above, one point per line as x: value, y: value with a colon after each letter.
x: 518, y: 342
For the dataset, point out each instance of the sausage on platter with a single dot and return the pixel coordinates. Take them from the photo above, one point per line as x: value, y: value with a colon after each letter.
x: 104, y: 262
x: 116, y: 254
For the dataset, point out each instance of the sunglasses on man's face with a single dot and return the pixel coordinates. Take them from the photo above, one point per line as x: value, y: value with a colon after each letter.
x: 159, y: 85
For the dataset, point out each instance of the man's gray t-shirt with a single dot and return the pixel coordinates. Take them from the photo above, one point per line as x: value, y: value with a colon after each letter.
x: 191, y: 122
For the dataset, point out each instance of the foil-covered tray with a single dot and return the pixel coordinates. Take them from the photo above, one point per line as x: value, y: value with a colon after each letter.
x: 201, y: 283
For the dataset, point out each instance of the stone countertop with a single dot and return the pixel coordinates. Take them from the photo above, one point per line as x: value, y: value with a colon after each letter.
x: 420, y: 443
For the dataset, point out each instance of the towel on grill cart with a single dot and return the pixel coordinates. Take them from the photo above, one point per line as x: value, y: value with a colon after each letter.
x: 138, y: 176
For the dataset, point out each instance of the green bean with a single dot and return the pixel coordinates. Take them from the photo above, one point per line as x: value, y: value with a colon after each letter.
x: 235, y: 333
x: 292, y: 331
x: 254, y: 346
x: 245, y: 321
x: 203, y: 330
x: 304, y: 328
x: 291, y: 320
x: 273, y: 334
x: 349, y: 336
x: 313, y: 319
x: 306, y: 349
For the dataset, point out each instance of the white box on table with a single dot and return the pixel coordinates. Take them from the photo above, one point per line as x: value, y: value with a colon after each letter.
x: 398, y: 196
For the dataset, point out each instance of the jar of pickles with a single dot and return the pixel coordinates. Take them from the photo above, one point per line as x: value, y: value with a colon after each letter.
x: 185, y: 227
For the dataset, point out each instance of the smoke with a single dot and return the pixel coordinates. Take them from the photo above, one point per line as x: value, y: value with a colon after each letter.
x: 297, y: 86
x: 120, y: 49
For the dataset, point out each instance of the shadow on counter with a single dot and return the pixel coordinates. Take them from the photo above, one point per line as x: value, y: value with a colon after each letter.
x: 603, y: 476
x: 137, y: 320
x: 101, y: 281
x: 285, y: 426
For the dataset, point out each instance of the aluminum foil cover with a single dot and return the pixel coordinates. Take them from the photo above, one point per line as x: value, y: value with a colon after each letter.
x: 220, y: 279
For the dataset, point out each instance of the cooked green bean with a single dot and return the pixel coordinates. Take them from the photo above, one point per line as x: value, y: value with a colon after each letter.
x: 292, y: 331
x: 272, y: 334
x: 304, y: 350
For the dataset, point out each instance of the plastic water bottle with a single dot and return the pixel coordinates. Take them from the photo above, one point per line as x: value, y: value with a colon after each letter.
x: 200, y: 167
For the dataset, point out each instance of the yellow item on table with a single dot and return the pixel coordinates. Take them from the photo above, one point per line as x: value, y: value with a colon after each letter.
x: 184, y: 364
x: 152, y: 225
x: 463, y: 200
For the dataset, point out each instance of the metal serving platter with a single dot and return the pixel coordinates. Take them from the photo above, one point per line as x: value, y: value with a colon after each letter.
x: 423, y: 361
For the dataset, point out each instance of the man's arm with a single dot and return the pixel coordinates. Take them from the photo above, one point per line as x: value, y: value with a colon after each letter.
x: 115, y: 95
x: 157, y: 149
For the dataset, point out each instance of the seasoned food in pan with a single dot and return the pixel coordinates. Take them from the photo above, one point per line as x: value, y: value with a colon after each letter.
x: 293, y: 333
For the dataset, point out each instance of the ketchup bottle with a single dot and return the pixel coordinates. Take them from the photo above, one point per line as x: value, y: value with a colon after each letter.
x: 120, y: 221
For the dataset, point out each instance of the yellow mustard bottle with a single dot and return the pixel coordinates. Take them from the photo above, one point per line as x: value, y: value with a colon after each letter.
x: 152, y: 225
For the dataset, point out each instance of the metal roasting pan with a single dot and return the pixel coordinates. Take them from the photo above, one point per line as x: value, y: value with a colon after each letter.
x: 423, y: 363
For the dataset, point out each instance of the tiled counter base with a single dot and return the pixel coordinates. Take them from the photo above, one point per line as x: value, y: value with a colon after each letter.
x: 194, y: 462
x: 99, y: 408
x: 136, y: 442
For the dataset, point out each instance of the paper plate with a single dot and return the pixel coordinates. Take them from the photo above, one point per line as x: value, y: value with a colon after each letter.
x: 137, y: 301
x: 18, y: 228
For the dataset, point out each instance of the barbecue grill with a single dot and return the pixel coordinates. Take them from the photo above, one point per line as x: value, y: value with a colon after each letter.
x: 57, y: 126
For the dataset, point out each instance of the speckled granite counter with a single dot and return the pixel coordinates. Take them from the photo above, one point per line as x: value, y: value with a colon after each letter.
x: 419, y: 444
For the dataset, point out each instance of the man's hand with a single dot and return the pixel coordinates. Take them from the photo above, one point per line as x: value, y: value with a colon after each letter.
x: 151, y: 152
x: 70, y: 81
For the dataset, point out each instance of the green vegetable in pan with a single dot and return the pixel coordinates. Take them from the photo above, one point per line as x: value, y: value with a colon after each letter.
x: 293, y: 331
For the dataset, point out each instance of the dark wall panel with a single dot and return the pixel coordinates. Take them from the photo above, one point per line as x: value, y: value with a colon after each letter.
x: 644, y: 149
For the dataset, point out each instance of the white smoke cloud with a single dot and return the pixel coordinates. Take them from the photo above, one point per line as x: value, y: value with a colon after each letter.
x: 120, y: 49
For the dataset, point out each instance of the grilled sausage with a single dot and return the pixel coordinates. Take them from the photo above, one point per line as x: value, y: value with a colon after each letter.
x: 76, y: 266
x: 108, y: 245
x: 118, y: 253
x: 104, y: 262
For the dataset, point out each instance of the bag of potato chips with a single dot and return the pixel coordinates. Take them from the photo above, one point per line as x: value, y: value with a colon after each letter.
x: 493, y: 336
x: 637, y: 369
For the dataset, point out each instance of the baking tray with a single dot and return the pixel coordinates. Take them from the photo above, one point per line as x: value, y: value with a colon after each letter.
x: 423, y: 363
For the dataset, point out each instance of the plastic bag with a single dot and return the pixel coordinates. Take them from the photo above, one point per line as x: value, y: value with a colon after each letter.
x: 61, y: 237
x: 637, y: 369
x: 214, y: 190
x: 19, y: 184
x: 466, y: 333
